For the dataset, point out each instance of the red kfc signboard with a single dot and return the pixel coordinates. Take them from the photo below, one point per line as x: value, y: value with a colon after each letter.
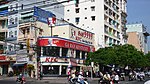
x: 65, y: 44
x: 51, y: 59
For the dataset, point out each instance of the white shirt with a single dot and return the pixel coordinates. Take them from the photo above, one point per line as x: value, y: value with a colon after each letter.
x: 116, y: 77
x: 80, y: 77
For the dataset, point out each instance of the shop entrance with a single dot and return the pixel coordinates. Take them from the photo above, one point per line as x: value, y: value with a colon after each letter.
x: 4, y: 69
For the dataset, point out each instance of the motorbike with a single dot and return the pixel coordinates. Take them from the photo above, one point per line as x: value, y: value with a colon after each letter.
x: 140, y: 77
x: 20, y: 80
x: 72, y: 81
x: 85, y: 82
x: 102, y: 81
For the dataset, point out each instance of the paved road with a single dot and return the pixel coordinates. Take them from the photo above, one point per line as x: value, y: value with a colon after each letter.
x: 60, y: 80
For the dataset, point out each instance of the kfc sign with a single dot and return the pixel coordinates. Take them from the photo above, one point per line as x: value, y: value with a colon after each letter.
x: 51, y: 59
x: 82, y: 36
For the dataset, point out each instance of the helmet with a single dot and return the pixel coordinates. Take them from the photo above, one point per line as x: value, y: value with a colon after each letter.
x: 80, y: 73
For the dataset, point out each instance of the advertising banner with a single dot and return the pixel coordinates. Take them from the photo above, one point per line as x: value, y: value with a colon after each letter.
x: 65, y: 43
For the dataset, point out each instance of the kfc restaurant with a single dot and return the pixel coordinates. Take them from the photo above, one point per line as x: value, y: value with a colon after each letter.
x: 57, y: 54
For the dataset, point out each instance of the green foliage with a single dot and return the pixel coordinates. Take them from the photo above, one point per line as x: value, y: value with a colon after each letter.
x: 121, y: 55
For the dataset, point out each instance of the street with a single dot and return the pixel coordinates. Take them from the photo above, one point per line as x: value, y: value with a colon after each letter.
x: 60, y: 80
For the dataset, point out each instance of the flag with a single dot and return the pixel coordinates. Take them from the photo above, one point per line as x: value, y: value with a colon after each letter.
x: 51, y: 21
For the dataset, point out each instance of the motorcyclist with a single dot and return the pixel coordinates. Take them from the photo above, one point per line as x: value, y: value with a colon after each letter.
x: 73, y: 77
x: 21, y: 78
x: 107, y: 78
x: 81, y: 78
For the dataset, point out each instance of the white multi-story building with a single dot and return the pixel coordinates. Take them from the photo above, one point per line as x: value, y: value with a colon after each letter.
x: 105, y: 18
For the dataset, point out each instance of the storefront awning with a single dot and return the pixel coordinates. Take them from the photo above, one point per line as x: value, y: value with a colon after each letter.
x: 19, y: 64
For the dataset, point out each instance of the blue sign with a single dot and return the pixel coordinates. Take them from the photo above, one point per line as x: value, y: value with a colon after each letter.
x: 42, y: 15
x: 5, y: 12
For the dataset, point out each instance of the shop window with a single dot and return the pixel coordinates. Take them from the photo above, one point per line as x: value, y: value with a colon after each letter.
x: 51, y: 51
x: 51, y: 70
x: 64, y: 52
x: 64, y: 69
x: 83, y: 55
x: 77, y: 54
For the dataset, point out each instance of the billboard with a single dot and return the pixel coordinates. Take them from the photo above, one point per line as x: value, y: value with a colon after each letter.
x: 42, y: 15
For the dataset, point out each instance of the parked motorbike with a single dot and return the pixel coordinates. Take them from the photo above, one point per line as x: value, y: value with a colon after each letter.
x: 20, y: 80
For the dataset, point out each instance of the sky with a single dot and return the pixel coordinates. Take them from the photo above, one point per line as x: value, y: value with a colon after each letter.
x: 139, y: 11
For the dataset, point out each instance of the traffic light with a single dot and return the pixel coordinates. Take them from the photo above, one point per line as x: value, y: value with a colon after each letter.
x: 76, y: 3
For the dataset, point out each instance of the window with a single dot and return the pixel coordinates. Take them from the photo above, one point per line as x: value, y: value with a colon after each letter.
x: 92, y: 0
x: 92, y: 8
x: 77, y: 10
x: 77, y: 20
x: 11, y: 7
x: 11, y: 34
x: 15, y: 33
x: 85, y: 8
x: 85, y: 17
x: 50, y: 70
x: 83, y: 55
x: 16, y: 6
x: 93, y: 18
x: 68, y: 10
x: 51, y: 51
x: 64, y: 52
x: 77, y: 54
x: 3, y: 23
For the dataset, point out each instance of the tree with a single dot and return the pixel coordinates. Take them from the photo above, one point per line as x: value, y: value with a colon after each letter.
x: 120, y: 55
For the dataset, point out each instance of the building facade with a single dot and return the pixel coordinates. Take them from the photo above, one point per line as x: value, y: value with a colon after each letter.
x: 68, y: 48
x: 137, y: 36
x: 105, y: 18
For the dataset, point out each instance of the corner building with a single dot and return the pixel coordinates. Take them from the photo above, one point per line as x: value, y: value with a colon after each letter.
x: 57, y: 54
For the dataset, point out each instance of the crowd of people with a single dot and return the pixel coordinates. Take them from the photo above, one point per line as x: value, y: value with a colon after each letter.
x: 106, y: 78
